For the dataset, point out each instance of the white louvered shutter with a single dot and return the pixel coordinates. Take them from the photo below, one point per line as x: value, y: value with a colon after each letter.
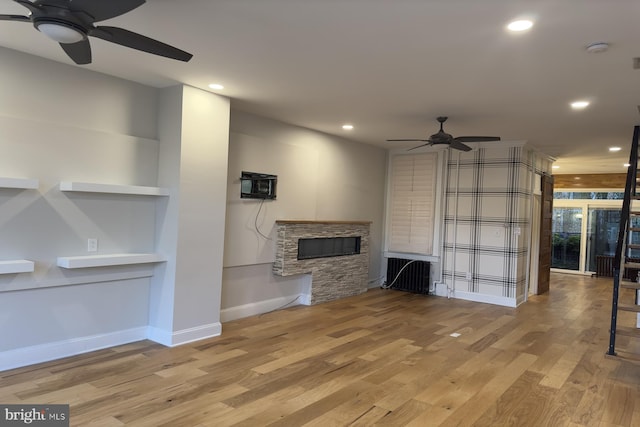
x: 412, y: 203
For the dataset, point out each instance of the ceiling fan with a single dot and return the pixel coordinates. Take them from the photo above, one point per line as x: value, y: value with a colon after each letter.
x: 70, y: 22
x: 444, y: 138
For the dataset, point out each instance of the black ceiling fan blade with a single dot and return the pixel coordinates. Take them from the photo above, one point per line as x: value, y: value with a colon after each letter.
x: 419, y: 146
x: 101, y: 10
x: 80, y: 52
x: 17, y: 18
x: 407, y: 140
x: 26, y: 3
x: 477, y: 138
x: 138, y: 41
x: 455, y: 144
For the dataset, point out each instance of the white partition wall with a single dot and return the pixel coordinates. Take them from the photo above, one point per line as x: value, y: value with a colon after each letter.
x: 194, y: 137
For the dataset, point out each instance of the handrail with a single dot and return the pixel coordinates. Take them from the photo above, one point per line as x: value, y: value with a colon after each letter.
x: 626, y: 203
x: 630, y: 187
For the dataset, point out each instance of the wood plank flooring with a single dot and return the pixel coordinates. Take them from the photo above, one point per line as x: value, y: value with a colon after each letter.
x: 382, y: 358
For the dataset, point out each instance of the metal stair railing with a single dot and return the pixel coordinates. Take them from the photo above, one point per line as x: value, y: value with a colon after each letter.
x: 619, y: 259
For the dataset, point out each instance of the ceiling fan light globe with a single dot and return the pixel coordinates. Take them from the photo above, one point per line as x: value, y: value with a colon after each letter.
x: 60, y: 33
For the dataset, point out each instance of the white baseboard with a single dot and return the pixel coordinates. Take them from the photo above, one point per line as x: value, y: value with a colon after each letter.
x: 489, y: 299
x: 441, y: 289
x: 19, y: 357
x: 173, y: 339
x: 260, y: 307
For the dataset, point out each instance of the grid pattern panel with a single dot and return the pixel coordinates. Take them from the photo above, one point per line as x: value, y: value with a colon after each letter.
x: 486, y: 222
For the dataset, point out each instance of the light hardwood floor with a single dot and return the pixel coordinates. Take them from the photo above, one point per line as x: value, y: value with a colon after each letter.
x: 382, y: 358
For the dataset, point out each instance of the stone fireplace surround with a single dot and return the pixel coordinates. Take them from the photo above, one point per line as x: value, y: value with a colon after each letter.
x: 331, y: 277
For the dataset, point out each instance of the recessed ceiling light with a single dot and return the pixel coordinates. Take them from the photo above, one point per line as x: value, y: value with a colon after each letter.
x: 347, y: 127
x: 555, y: 167
x: 216, y: 86
x: 626, y: 165
x: 579, y: 105
x: 520, y: 25
x: 615, y: 148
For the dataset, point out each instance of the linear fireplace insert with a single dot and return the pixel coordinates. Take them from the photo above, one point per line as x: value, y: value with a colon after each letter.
x: 322, y: 247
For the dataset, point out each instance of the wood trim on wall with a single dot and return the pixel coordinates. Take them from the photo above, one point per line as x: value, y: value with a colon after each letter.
x: 595, y: 180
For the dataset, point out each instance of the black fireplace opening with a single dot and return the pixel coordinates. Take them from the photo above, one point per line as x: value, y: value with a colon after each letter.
x: 323, y: 247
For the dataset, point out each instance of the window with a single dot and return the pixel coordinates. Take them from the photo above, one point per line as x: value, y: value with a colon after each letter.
x: 413, y: 179
x: 588, y: 195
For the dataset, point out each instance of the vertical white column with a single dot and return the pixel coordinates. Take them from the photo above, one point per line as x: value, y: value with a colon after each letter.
x: 194, y: 141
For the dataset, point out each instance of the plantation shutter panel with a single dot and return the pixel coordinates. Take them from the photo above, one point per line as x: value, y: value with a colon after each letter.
x: 412, y: 203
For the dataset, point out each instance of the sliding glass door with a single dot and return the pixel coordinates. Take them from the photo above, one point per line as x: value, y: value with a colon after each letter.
x: 602, y: 234
x: 585, y: 230
x: 567, y: 236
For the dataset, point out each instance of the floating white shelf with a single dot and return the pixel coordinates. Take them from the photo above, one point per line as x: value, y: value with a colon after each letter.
x: 88, y: 187
x: 107, y: 260
x: 16, y: 266
x: 20, y: 183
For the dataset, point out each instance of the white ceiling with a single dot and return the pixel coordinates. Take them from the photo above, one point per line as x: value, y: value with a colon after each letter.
x: 391, y: 66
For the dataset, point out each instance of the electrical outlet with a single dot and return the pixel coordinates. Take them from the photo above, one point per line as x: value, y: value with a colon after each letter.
x: 92, y: 245
x: 469, y: 276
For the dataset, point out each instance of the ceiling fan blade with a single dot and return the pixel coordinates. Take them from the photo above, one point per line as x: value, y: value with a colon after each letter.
x: 18, y: 18
x: 477, y: 138
x: 455, y: 144
x: 26, y: 3
x: 137, y: 41
x: 80, y: 52
x: 419, y: 146
x: 101, y: 10
x: 408, y: 140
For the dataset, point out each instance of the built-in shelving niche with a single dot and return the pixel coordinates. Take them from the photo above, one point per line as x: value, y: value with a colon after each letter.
x: 15, y: 266
x: 108, y: 260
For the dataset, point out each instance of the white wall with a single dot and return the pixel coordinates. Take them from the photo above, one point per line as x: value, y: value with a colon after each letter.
x: 59, y: 122
x: 194, y: 135
x: 320, y: 177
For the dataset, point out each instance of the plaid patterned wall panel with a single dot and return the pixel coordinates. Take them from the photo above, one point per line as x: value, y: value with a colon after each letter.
x: 487, y: 203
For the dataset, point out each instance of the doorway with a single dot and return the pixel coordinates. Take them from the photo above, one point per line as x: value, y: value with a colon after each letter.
x: 585, y: 226
x: 602, y: 234
x: 567, y: 237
